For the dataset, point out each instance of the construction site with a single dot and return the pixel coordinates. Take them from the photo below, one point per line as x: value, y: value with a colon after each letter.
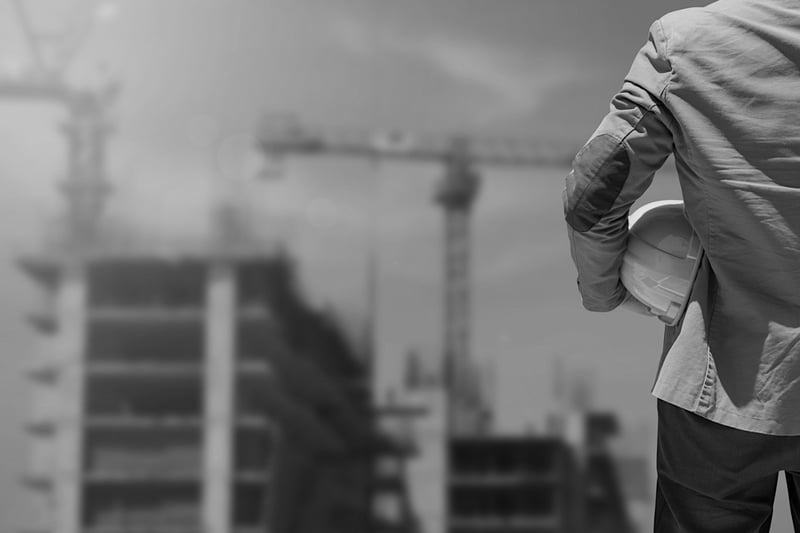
x: 197, y: 389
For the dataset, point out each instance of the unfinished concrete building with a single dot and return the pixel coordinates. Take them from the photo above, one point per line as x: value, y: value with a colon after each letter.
x: 507, y: 484
x: 193, y: 393
x: 538, y: 483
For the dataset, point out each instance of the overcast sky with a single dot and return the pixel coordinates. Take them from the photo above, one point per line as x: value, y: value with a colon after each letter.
x: 197, y: 77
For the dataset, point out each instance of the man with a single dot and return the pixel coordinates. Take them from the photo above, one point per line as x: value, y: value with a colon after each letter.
x: 719, y: 88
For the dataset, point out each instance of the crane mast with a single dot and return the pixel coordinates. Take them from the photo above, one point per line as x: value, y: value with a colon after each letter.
x: 86, y: 129
x: 456, y: 193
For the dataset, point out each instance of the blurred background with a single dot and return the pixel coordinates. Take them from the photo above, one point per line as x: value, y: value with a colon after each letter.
x: 300, y: 266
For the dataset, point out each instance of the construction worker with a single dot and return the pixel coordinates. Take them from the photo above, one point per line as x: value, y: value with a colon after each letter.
x: 718, y: 87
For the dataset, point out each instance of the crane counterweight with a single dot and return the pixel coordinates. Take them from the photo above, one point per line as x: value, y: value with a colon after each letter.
x: 459, y: 186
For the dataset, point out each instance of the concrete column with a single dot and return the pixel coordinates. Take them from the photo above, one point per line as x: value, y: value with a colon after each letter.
x: 71, y: 315
x: 428, y: 471
x: 575, y: 437
x: 220, y: 319
x: 44, y: 452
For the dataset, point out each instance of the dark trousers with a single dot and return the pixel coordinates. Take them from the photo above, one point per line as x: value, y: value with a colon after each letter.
x: 717, y: 479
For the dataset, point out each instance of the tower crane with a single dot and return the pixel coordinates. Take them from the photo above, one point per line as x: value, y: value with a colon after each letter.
x: 456, y: 194
x: 87, y: 126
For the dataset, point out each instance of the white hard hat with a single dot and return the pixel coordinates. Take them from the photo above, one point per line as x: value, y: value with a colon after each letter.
x: 662, y: 259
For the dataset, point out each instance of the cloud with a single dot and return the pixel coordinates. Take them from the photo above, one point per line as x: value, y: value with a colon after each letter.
x: 353, y: 37
x: 516, y: 81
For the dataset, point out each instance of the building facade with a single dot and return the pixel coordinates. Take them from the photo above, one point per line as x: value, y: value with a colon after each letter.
x: 194, y: 392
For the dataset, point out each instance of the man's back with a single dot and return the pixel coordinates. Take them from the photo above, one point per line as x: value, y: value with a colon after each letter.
x: 718, y: 87
x: 734, y: 94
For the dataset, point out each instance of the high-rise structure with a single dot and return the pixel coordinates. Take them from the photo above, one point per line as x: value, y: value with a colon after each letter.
x: 559, y: 483
x: 193, y: 392
x: 514, y: 483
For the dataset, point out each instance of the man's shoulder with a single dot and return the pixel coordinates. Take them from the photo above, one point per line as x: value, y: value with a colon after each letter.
x: 693, y: 23
x: 714, y: 22
x: 687, y: 18
x: 691, y: 17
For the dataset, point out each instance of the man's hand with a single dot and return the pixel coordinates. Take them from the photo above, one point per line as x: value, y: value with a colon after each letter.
x: 632, y: 304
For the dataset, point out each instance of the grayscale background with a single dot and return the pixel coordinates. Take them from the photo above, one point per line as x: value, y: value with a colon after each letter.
x: 199, y: 79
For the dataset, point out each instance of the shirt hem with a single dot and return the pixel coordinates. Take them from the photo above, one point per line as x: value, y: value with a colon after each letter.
x: 736, y: 420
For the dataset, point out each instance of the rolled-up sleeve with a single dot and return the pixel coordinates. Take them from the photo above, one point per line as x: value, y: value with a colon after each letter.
x: 613, y: 169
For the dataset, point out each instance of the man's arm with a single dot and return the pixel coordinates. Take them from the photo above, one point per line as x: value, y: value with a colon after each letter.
x: 613, y: 169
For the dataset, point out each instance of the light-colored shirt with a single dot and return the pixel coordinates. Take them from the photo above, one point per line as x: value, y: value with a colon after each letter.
x: 718, y: 87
